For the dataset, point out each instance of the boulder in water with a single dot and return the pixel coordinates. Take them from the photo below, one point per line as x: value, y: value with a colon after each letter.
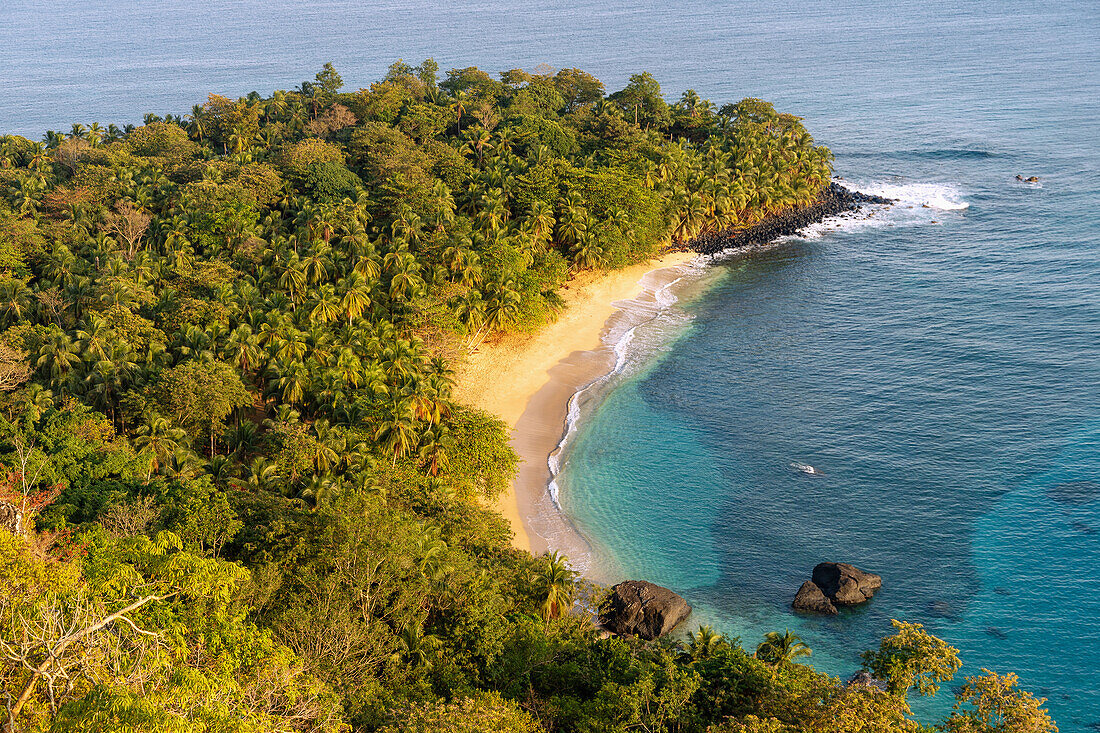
x: 810, y: 598
x: 866, y: 679
x: 836, y: 584
x: 640, y: 608
x: 846, y: 584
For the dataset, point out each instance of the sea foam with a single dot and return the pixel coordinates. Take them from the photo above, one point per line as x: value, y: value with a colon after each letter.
x: 655, y: 302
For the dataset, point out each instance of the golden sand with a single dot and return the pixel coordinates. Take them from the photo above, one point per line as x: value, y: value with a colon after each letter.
x: 528, y: 380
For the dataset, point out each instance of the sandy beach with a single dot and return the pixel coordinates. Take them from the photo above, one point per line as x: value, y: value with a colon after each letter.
x: 528, y: 379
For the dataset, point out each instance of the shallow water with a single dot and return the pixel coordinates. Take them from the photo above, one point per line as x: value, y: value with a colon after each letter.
x: 944, y: 376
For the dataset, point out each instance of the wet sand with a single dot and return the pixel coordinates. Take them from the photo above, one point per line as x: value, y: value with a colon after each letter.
x: 529, y: 380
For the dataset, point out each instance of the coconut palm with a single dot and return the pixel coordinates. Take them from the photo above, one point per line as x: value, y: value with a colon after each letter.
x: 779, y: 649
x: 159, y: 439
x: 705, y: 642
x: 58, y: 354
x: 397, y: 430
x: 418, y: 648
x: 356, y: 296
x: 260, y: 475
x: 555, y: 584
x: 326, y: 307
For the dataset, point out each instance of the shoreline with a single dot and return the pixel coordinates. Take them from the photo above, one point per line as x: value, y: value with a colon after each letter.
x: 529, y: 380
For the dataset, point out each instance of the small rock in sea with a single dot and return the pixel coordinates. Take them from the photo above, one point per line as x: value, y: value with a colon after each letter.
x: 640, y: 608
x: 1033, y: 179
x: 1019, y: 177
x: 996, y: 633
x: 935, y: 222
x: 866, y: 679
x: 810, y: 598
x: 925, y: 206
x: 835, y: 584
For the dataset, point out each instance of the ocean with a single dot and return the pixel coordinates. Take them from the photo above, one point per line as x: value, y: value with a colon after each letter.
x: 938, y: 362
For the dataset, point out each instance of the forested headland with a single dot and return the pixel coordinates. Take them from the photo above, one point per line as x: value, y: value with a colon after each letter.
x: 236, y: 493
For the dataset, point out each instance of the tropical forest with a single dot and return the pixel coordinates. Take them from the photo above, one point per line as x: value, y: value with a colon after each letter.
x: 236, y: 491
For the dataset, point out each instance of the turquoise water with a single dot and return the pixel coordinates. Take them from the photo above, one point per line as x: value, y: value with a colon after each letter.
x: 945, y: 376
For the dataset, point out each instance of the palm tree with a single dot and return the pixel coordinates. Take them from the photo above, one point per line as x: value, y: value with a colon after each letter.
x: 705, y: 642
x: 94, y: 134
x: 241, y: 348
x: 430, y: 552
x: 53, y: 139
x: 317, y: 489
x: 419, y: 647
x: 221, y: 469
x: 160, y: 440
x: 261, y: 475
x: 15, y: 299
x: 397, y: 430
x: 458, y: 106
x: 541, y: 218
x: 58, y: 354
x: 94, y: 337
x: 327, y: 307
x: 276, y: 105
x: 555, y: 584
x: 779, y: 649
x: 182, y: 465
x: 356, y: 297
x: 433, y: 450
x: 292, y: 382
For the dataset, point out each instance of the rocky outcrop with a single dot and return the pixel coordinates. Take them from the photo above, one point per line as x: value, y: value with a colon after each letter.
x: 863, y: 678
x: 835, y: 199
x: 836, y: 584
x: 640, y: 608
x: 810, y: 598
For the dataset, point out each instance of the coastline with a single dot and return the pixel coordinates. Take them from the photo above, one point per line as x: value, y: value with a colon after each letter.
x: 528, y: 380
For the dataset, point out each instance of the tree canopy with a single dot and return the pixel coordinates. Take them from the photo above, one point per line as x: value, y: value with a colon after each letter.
x: 237, y: 493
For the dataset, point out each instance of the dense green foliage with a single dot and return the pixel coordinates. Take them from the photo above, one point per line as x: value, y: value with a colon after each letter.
x: 238, y: 494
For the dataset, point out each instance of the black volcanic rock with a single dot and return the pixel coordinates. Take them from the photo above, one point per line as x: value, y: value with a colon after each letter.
x: 835, y: 584
x: 810, y: 598
x: 835, y: 199
x: 640, y: 608
x: 845, y: 584
x: 866, y: 679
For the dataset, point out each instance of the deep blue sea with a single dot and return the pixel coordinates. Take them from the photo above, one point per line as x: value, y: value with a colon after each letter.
x: 940, y: 365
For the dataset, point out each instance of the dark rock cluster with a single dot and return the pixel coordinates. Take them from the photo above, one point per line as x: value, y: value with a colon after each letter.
x: 835, y: 584
x: 640, y: 608
x: 834, y: 200
x: 863, y: 678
